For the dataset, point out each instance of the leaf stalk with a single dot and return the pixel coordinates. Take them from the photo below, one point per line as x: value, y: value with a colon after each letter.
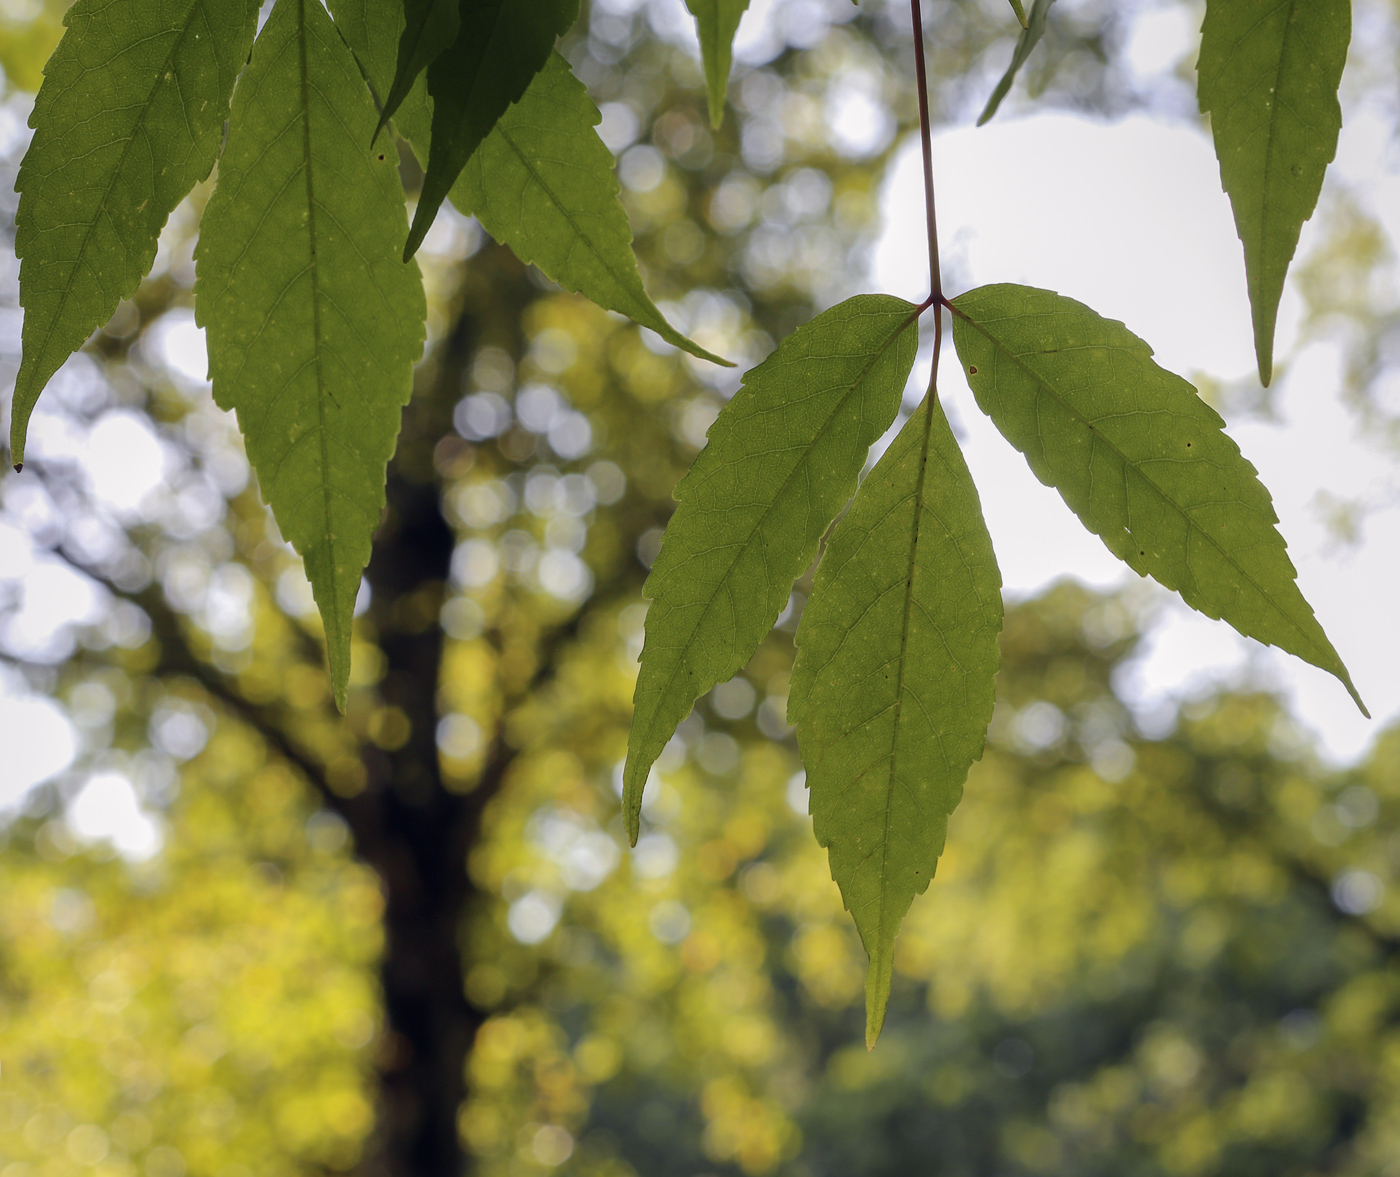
x: 925, y: 135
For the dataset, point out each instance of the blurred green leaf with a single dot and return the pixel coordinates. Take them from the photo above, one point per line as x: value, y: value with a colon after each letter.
x: 1139, y: 457
x: 502, y: 45
x: 894, y: 681
x: 313, y: 322
x: 782, y: 459
x: 128, y: 120
x: 716, y: 22
x: 1268, y: 77
x: 1031, y: 33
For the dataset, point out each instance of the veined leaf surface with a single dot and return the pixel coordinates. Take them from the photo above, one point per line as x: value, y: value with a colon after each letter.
x: 1268, y: 75
x: 716, y: 21
x: 372, y: 29
x: 313, y: 320
x: 1033, y: 29
x: 543, y: 183
x: 129, y: 118
x: 895, y: 678
x: 1139, y: 457
x: 429, y: 26
x: 782, y: 459
x: 502, y: 45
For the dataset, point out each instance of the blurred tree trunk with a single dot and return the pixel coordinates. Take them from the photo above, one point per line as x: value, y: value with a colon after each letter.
x: 413, y: 831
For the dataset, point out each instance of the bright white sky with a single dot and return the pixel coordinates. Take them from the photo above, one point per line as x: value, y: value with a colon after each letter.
x: 1129, y: 218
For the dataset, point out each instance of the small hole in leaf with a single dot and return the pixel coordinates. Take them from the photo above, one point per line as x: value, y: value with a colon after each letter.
x: 1188, y: 445
x: 972, y: 370
x: 381, y: 157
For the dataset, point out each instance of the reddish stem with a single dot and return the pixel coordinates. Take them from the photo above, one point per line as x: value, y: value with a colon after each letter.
x: 925, y: 134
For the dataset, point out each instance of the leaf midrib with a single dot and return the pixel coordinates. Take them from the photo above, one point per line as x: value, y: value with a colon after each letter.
x: 334, y: 580
x: 743, y: 547
x: 1265, y: 205
x: 904, y: 639
x: 168, y: 68
x: 1128, y: 464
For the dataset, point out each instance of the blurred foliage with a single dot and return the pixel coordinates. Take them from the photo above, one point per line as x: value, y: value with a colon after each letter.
x: 1150, y: 949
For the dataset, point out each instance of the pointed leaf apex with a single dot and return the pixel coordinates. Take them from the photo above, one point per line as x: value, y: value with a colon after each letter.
x: 19, y: 466
x: 877, y: 997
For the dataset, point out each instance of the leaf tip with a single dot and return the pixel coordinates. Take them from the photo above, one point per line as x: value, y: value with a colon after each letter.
x: 632, y: 800
x: 877, y: 996
x: 19, y: 468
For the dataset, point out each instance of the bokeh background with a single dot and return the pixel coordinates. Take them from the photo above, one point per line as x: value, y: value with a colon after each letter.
x: 236, y: 935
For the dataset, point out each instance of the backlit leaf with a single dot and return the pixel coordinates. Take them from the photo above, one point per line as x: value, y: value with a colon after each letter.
x: 1139, y: 457
x: 372, y: 29
x: 895, y: 678
x: 716, y: 22
x: 502, y: 45
x: 1268, y: 75
x: 313, y: 321
x: 1033, y: 30
x: 543, y: 183
x: 782, y: 459
x: 429, y: 27
x: 128, y: 120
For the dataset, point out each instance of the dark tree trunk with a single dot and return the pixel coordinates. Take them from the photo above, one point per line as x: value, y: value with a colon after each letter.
x: 414, y: 832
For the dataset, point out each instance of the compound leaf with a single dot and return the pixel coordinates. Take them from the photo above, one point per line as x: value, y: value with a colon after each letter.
x: 314, y: 322
x: 129, y: 118
x: 429, y: 27
x: 502, y: 45
x: 716, y: 21
x: 1268, y: 75
x: 895, y: 678
x: 782, y: 459
x: 543, y: 183
x: 1033, y: 30
x: 1139, y: 457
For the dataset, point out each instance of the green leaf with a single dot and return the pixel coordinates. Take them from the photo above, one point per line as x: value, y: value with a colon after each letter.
x: 782, y: 459
x: 502, y: 45
x: 313, y: 321
x: 543, y: 183
x: 128, y: 120
x: 1139, y: 457
x: 1032, y: 32
x: 1268, y: 75
x: 429, y: 27
x: 895, y: 678
x: 716, y: 22
x: 372, y: 29
x: 1020, y: 12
